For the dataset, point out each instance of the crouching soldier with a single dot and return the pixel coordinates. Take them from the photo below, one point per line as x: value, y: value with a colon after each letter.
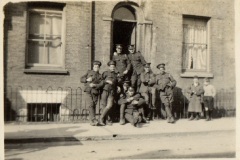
x: 110, y: 80
x: 165, y: 84
x: 92, y: 80
x: 132, y: 103
x: 147, y: 90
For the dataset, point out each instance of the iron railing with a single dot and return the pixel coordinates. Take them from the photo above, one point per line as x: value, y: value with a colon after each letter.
x: 57, y: 104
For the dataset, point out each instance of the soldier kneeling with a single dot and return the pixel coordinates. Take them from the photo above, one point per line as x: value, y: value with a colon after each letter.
x: 132, y: 103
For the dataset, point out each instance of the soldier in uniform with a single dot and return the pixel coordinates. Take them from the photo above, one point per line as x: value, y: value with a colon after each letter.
x: 110, y: 80
x: 148, y: 79
x: 132, y: 102
x: 137, y: 61
x: 123, y: 64
x: 165, y: 84
x: 92, y: 80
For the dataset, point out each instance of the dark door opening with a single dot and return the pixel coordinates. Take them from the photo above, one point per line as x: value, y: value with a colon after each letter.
x: 124, y: 33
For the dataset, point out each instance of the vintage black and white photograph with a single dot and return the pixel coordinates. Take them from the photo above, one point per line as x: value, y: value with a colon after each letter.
x: 119, y: 79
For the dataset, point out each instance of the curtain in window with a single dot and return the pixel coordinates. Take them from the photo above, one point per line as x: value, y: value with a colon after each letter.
x: 45, y: 30
x: 195, y: 44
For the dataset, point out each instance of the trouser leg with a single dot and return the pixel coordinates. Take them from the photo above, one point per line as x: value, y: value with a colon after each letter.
x: 122, y: 110
x: 129, y: 118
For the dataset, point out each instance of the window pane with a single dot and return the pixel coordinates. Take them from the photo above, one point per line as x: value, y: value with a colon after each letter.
x: 194, y: 44
x: 36, y: 52
x: 53, y: 25
x: 53, y: 50
x: 36, y: 25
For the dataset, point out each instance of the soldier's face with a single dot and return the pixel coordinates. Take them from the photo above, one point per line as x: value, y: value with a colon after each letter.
x: 119, y: 50
x: 112, y: 68
x: 96, y: 68
x: 147, y: 69
x: 131, y: 93
x: 206, y: 83
x: 195, y: 80
x: 162, y: 70
x: 131, y: 50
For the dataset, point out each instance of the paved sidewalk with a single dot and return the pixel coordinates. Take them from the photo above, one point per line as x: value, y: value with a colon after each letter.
x: 15, y: 133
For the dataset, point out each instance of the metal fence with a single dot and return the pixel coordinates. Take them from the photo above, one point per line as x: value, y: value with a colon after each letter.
x: 57, y: 104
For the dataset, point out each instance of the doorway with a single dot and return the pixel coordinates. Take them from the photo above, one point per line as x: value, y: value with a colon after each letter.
x: 124, y: 27
x: 124, y: 33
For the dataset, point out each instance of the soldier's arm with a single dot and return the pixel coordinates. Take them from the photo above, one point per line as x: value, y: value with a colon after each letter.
x: 141, y: 101
x: 152, y: 80
x: 142, y: 58
x: 100, y: 84
x: 172, y: 82
x: 128, y: 64
x: 122, y: 100
x: 142, y: 78
x: 84, y: 78
x: 213, y: 91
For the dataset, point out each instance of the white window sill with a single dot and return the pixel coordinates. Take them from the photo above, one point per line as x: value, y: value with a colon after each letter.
x: 199, y: 74
x: 46, y: 71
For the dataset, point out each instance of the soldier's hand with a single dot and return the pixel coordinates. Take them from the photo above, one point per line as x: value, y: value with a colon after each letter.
x: 125, y: 72
x: 134, y: 102
x: 118, y: 89
x: 89, y: 79
x: 109, y: 81
x: 92, y: 85
x: 130, y: 99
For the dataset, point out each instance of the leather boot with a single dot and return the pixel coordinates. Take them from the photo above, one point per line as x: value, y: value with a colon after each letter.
x: 171, y: 120
x: 207, y: 116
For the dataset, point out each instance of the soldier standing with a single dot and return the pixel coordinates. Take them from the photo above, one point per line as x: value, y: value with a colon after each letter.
x: 137, y: 61
x: 148, y: 79
x: 123, y: 64
x: 165, y: 84
x: 132, y: 102
x: 92, y: 80
x: 110, y: 80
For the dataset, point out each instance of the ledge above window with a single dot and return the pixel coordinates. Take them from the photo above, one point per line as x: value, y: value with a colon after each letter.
x: 199, y: 74
x: 45, y: 70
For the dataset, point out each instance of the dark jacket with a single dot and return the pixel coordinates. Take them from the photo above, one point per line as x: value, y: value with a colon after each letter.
x: 113, y: 76
x: 137, y: 61
x: 165, y: 83
x: 129, y: 106
x: 148, y: 80
x: 122, y: 62
x: 96, y: 79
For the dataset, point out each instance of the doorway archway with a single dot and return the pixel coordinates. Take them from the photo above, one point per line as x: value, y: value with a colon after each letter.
x: 124, y: 26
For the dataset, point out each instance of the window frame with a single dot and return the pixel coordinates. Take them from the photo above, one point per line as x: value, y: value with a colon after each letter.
x: 200, y: 72
x: 40, y: 67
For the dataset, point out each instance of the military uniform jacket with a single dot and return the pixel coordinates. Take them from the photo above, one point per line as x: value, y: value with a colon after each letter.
x: 113, y: 76
x: 148, y: 80
x: 96, y: 79
x: 137, y: 62
x: 129, y: 106
x: 165, y: 83
x: 122, y: 62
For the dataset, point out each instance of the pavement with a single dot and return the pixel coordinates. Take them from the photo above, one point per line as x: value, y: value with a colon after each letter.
x: 51, y: 132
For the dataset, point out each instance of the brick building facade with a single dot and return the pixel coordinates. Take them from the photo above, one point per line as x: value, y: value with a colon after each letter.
x: 89, y: 31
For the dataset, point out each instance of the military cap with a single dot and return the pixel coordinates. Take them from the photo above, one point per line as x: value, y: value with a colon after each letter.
x: 131, y: 89
x: 206, y: 79
x: 147, y: 65
x: 97, y: 63
x: 118, y: 45
x: 111, y: 63
x: 131, y: 46
x: 195, y: 77
x: 126, y: 83
x: 161, y: 65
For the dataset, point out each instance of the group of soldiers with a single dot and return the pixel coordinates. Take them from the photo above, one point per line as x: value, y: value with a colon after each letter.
x: 130, y: 84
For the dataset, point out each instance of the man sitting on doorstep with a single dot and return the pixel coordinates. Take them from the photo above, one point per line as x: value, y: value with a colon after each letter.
x: 195, y: 91
x: 208, y: 99
x: 132, y: 102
